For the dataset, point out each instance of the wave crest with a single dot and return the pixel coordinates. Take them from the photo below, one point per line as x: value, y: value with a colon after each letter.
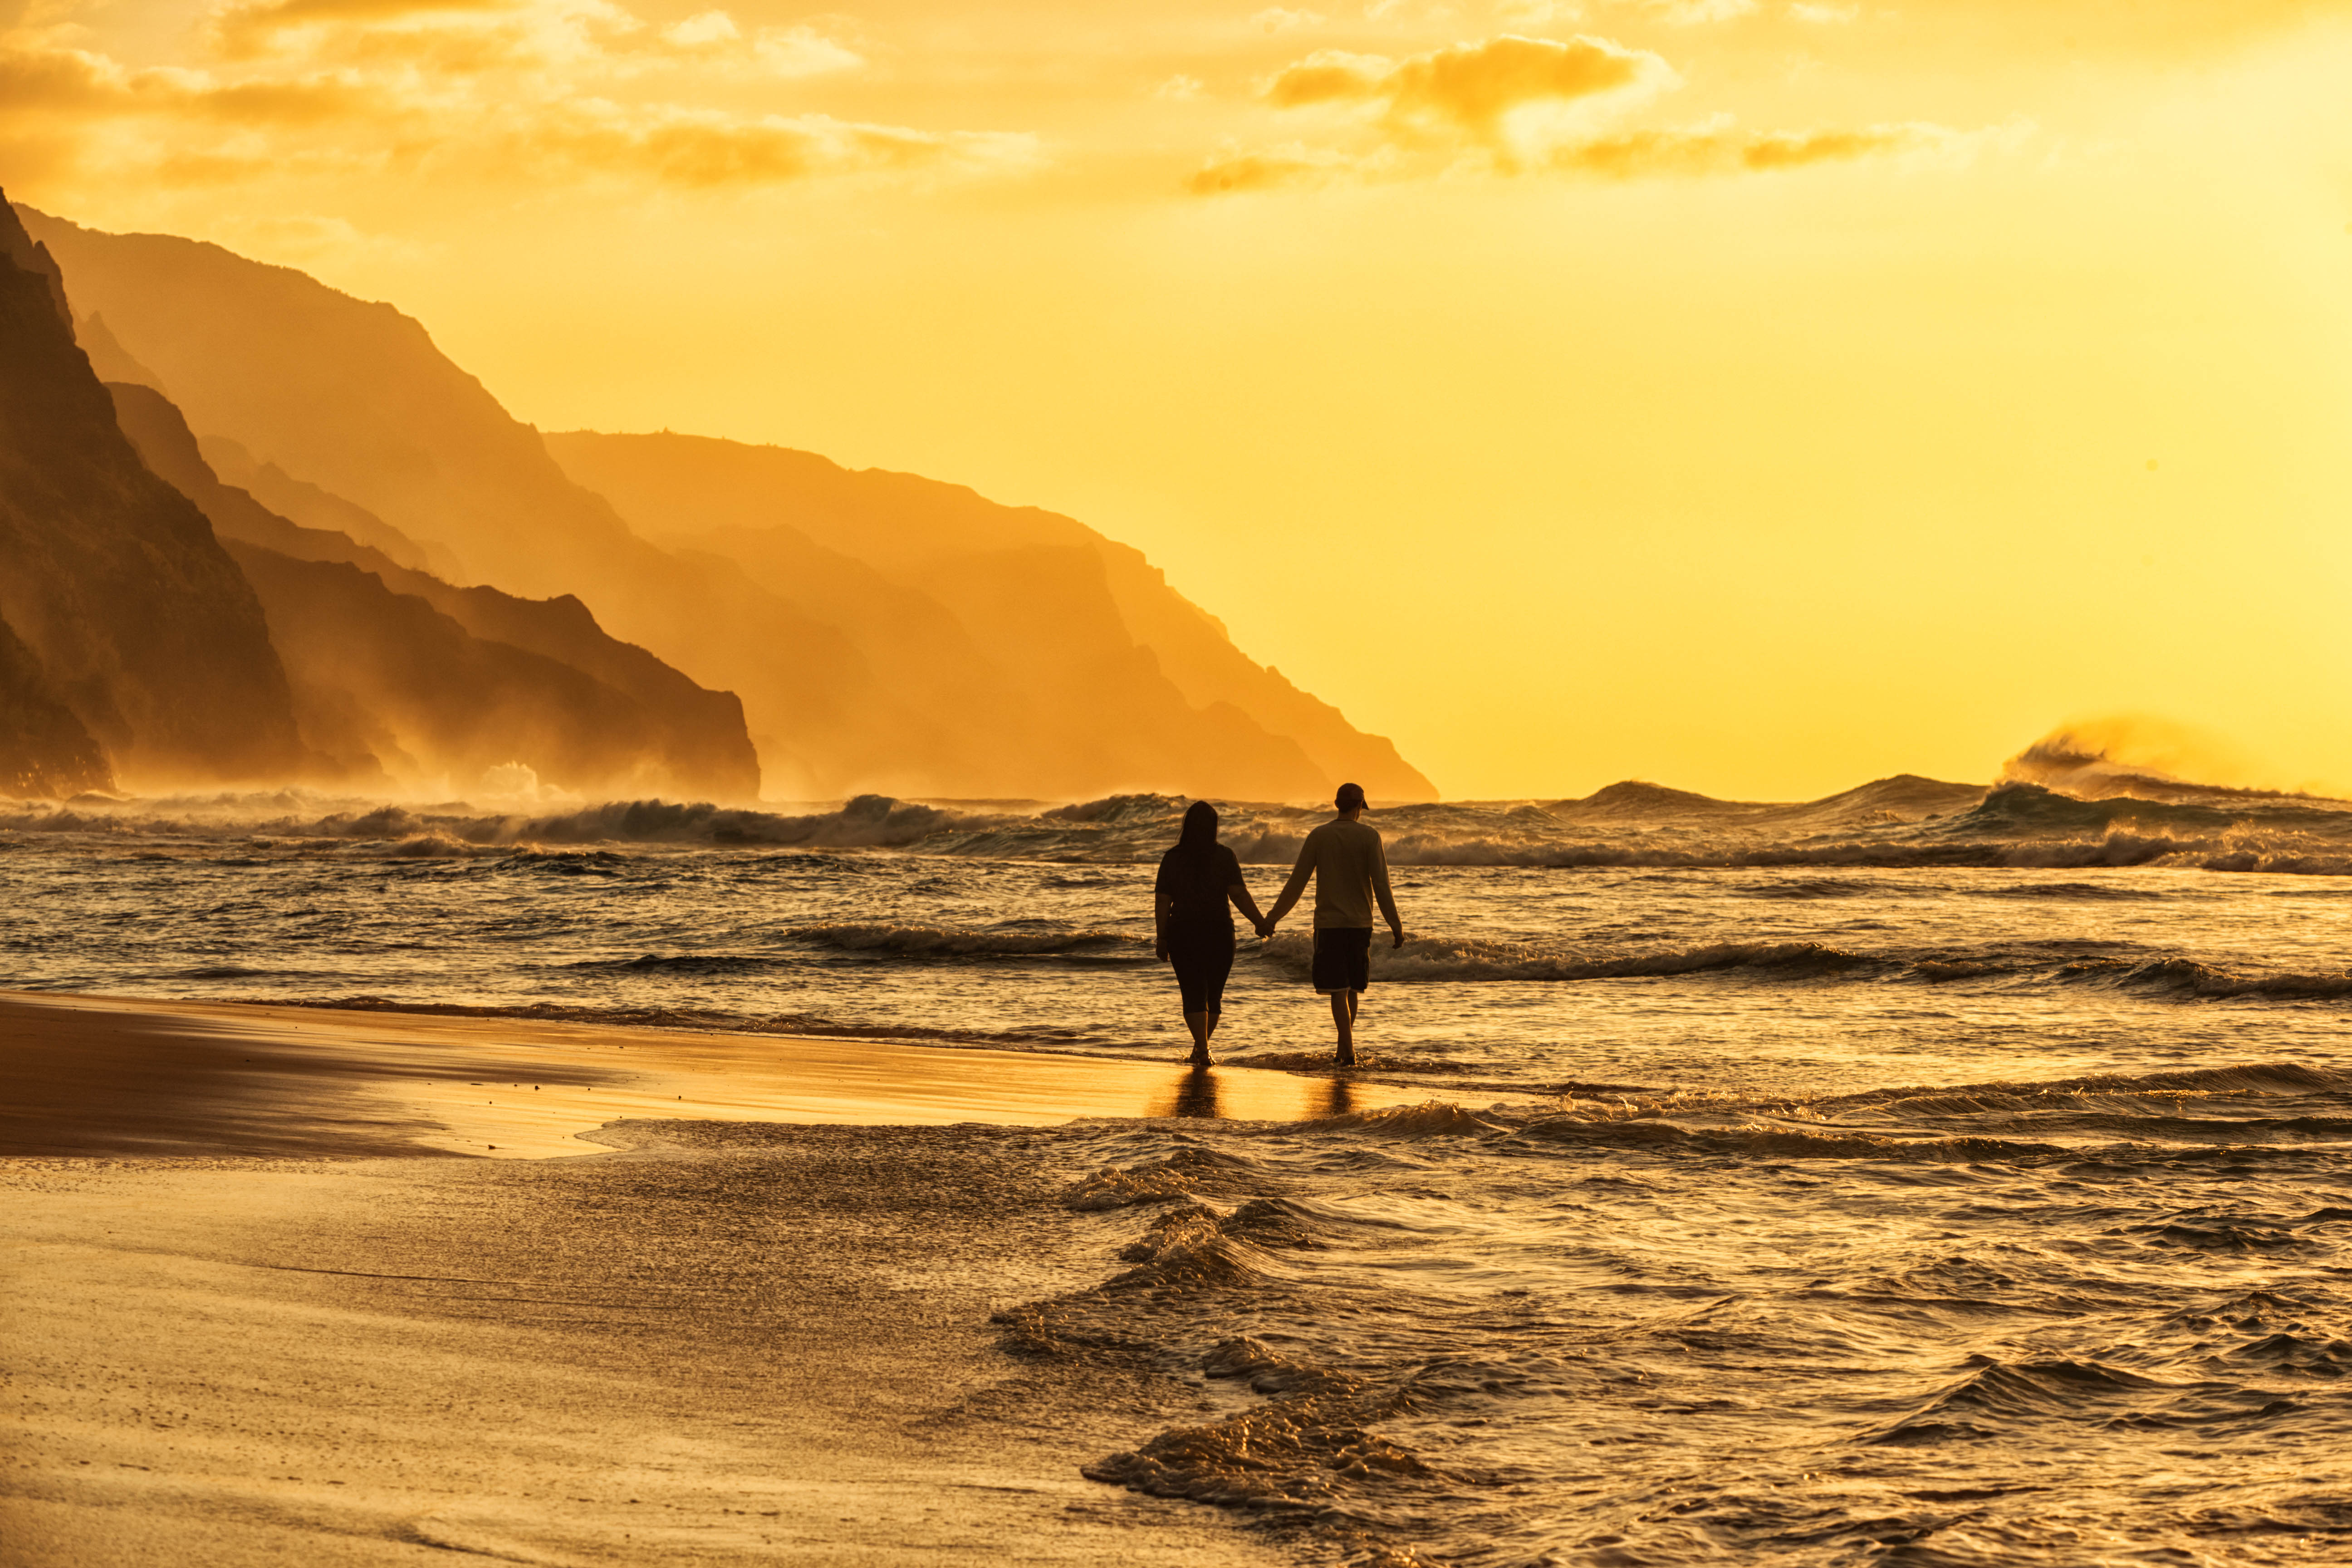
x: 939, y: 941
x: 1905, y: 822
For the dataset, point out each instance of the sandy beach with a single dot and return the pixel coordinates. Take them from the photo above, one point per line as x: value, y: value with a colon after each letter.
x: 709, y: 1298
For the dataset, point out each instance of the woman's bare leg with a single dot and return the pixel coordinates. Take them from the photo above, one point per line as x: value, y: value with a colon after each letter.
x: 1201, y: 1025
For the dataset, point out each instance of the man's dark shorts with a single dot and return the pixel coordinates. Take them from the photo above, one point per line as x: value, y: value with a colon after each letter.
x: 1343, y: 958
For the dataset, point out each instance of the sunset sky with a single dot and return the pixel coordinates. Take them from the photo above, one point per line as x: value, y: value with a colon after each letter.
x: 1753, y: 395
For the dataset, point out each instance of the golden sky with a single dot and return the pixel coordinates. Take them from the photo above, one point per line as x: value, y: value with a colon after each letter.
x: 1753, y: 395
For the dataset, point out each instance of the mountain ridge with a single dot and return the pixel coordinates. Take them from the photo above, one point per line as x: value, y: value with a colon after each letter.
x: 352, y: 398
x: 908, y: 527
x: 123, y: 610
x: 396, y: 672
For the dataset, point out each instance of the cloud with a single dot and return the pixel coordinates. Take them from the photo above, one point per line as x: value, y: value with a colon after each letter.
x: 1695, y: 13
x: 1823, y: 15
x: 594, y: 39
x: 701, y: 149
x: 1269, y: 168
x: 1327, y: 76
x: 1512, y: 106
x: 1282, y: 19
x: 1720, y: 150
x: 493, y: 31
x: 801, y: 51
x: 1470, y: 88
x: 484, y: 88
x: 52, y: 79
x: 695, y: 32
x: 1628, y: 155
x: 1539, y: 13
x: 251, y: 18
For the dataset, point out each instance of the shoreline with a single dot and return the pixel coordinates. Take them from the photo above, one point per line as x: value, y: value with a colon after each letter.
x: 226, y: 1077
x: 712, y: 1299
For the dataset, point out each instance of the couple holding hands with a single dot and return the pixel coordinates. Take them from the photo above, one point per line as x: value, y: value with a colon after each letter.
x: 1200, y: 879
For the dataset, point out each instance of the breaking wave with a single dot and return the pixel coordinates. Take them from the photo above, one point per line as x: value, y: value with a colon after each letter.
x: 1444, y: 958
x: 1894, y: 823
x: 2187, y: 977
x: 935, y: 942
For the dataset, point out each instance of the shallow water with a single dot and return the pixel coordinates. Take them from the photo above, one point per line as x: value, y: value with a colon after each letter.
x: 1827, y: 1214
x: 1780, y: 979
x: 2061, y: 1324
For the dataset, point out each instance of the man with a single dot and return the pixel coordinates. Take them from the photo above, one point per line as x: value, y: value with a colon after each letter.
x: 1351, y: 870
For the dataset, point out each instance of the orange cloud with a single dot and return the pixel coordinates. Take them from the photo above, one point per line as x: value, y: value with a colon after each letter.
x: 1470, y: 88
x: 702, y: 149
x: 1635, y: 153
x: 274, y: 16
x: 481, y: 86
x: 38, y: 77
x: 1510, y: 103
x: 1268, y: 170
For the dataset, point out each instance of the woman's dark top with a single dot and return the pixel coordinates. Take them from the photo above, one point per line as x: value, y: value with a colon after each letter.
x: 1197, y: 881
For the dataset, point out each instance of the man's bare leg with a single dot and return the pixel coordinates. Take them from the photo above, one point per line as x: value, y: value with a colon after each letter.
x: 1343, y: 1018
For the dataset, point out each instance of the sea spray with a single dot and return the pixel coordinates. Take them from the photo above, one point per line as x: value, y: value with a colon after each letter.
x: 1897, y: 824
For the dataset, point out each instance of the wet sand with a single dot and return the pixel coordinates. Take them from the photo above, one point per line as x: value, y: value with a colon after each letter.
x: 260, y: 1310
x: 87, y: 1075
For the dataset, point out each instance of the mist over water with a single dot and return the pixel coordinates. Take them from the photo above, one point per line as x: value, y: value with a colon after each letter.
x: 1930, y: 1175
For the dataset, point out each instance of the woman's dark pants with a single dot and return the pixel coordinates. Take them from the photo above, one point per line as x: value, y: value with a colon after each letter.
x: 1204, y: 960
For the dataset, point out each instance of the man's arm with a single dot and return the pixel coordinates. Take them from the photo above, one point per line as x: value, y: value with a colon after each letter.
x: 1380, y: 892
x: 1295, y: 886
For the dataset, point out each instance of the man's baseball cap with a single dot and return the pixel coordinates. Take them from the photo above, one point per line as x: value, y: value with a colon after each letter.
x: 1351, y: 796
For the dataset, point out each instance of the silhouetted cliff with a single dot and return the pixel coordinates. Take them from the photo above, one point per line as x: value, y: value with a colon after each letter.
x: 45, y: 753
x: 141, y: 626
x: 726, y: 495
x: 396, y: 669
x: 312, y: 507
x: 385, y: 676
x: 163, y: 442
x: 954, y: 669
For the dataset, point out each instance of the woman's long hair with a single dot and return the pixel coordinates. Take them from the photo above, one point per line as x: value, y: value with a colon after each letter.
x: 1200, y: 835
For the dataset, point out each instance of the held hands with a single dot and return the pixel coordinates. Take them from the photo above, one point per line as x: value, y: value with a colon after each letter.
x: 1265, y: 930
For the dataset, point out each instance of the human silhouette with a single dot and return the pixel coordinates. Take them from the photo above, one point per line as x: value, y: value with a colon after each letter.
x: 1351, y: 870
x: 1199, y: 879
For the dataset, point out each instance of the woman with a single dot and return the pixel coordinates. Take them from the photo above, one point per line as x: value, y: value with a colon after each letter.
x: 1197, y: 878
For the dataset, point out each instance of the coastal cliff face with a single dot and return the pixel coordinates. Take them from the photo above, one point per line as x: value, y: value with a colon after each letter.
x: 124, y: 611
x: 407, y: 680
x: 385, y: 678
x: 999, y: 651
x: 751, y: 503
x: 43, y: 750
x: 314, y: 507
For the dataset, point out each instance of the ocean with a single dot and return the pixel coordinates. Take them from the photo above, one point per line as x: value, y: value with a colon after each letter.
x: 1928, y: 1176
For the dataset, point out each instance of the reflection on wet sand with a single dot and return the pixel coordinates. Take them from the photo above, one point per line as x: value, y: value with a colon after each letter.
x: 1339, y: 1097
x: 1244, y: 1095
x: 1196, y: 1093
